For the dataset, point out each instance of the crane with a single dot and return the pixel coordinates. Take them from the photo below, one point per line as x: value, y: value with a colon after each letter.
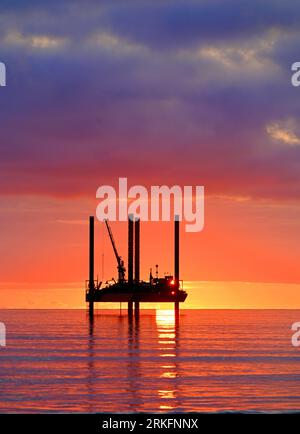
x: 121, y: 268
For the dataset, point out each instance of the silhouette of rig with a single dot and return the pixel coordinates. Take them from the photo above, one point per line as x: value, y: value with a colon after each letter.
x: 133, y: 290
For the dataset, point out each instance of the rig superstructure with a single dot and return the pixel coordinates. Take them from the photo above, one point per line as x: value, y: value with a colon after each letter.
x: 133, y: 290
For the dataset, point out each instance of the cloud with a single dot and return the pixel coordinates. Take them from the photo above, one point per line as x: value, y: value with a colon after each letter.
x: 187, y: 23
x: 284, y: 132
x: 251, y: 55
x: 115, y: 44
x: 42, y: 42
x: 156, y: 91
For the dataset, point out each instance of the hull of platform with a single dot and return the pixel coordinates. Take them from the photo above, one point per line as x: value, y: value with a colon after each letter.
x: 103, y: 297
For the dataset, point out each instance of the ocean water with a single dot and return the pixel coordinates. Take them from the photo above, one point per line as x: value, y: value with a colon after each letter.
x: 208, y: 361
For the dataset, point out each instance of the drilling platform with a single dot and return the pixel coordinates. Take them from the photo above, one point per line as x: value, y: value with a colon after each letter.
x: 133, y: 291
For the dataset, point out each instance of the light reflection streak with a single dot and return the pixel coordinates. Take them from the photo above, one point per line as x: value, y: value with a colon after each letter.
x: 167, y: 329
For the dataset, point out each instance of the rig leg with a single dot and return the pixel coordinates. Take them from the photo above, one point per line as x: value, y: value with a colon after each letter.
x: 91, y: 309
x: 176, y: 307
x: 130, y: 308
x: 137, y: 308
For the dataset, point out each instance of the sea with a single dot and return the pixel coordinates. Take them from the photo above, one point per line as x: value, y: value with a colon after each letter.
x: 58, y: 361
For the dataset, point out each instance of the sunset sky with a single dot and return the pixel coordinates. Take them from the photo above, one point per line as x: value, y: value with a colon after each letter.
x: 183, y: 92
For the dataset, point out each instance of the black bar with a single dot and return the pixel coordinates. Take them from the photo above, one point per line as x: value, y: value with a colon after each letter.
x: 142, y: 422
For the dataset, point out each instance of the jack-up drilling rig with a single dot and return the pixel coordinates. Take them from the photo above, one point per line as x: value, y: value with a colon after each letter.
x: 133, y: 290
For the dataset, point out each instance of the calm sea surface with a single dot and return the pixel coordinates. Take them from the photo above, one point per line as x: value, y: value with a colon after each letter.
x: 212, y: 360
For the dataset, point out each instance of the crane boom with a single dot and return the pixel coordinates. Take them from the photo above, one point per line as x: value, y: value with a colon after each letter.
x: 120, y: 262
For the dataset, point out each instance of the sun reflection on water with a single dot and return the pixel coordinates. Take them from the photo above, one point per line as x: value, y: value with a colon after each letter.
x: 165, y: 318
x: 166, y: 329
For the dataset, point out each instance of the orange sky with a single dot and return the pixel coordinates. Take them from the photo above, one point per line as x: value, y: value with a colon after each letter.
x: 44, y: 251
